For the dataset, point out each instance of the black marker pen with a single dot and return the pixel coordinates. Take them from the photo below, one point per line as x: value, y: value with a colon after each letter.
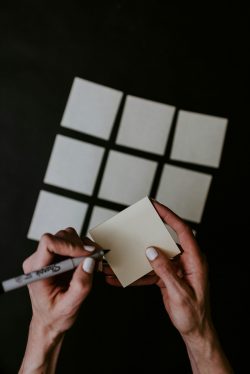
x: 47, y: 271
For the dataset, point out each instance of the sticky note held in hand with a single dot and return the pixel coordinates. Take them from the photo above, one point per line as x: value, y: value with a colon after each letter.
x: 128, y: 234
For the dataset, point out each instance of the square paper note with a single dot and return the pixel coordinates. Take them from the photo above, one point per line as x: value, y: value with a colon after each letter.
x: 74, y: 165
x: 128, y: 234
x: 184, y: 191
x: 100, y: 215
x: 127, y: 178
x: 199, y: 138
x: 54, y: 212
x: 91, y: 108
x: 145, y: 125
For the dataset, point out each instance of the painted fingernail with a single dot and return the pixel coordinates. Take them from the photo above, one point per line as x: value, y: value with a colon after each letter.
x: 89, y: 248
x: 88, y: 265
x: 151, y: 253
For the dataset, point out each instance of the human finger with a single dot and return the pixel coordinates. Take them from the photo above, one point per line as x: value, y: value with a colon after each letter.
x: 70, y: 234
x: 183, y: 231
x: 166, y: 271
x: 81, y: 282
x: 50, y: 246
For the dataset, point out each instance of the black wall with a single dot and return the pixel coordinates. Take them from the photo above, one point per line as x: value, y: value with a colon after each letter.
x: 191, y: 56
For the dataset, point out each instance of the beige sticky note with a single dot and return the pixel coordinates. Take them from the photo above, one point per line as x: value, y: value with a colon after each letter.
x: 128, y: 234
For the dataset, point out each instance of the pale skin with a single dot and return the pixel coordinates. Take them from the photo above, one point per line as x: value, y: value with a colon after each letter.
x: 55, y: 301
x: 183, y: 283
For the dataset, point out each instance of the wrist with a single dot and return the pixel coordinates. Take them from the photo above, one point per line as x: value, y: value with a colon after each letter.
x: 205, y: 351
x: 202, y: 341
x: 45, y: 334
x: 42, y: 350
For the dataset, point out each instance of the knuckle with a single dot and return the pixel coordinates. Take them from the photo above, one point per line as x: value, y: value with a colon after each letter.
x: 71, y: 230
x: 46, y: 238
x: 61, y: 233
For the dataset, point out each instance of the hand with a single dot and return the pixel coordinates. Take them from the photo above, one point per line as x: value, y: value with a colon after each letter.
x: 184, y: 287
x: 56, y: 300
x: 183, y: 280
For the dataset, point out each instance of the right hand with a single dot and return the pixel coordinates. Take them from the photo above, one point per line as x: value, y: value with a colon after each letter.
x: 183, y: 281
x: 56, y: 300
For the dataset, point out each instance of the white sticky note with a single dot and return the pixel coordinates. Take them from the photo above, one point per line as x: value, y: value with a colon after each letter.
x: 127, y: 178
x: 53, y: 213
x: 199, y: 138
x: 174, y: 235
x: 91, y: 108
x: 145, y: 125
x: 99, y: 215
x: 74, y: 165
x: 128, y: 234
x: 184, y: 191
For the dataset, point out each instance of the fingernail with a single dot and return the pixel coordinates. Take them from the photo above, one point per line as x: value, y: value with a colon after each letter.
x: 151, y: 253
x: 88, y: 265
x: 89, y: 248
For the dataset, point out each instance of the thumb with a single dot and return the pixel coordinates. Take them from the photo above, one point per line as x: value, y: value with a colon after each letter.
x: 81, y: 281
x: 163, y: 267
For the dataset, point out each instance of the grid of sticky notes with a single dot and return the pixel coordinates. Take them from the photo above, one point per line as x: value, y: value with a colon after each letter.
x: 133, y: 158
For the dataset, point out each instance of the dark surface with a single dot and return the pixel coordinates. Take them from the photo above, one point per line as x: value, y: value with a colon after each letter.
x: 192, y: 57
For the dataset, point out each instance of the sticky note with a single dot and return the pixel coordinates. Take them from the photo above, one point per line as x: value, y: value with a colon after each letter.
x: 54, y: 212
x: 184, y: 191
x: 128, y: 234
x: 199, y: 138
x: 145, y: 125
x: 91, y: 108
x: 99, y: 215
x: 127, y: 178
x: 74, y: 165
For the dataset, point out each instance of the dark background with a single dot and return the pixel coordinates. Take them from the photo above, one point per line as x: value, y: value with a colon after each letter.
x: 192, y: 56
